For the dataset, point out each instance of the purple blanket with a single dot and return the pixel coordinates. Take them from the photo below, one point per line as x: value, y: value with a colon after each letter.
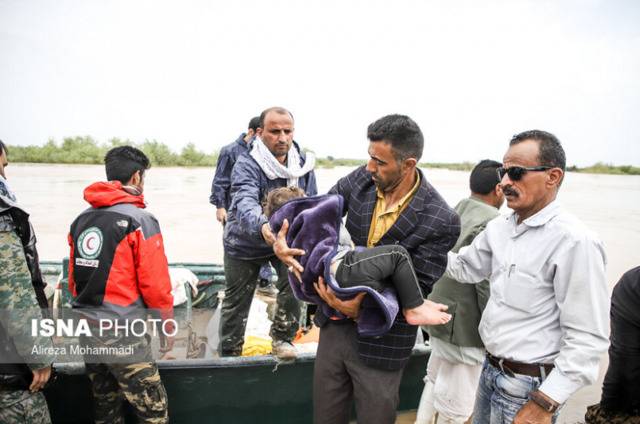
x: 314, y: 224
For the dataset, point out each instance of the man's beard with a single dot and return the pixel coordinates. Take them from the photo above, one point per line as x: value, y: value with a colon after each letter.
x: 386, y: 186
x: 278, y: 149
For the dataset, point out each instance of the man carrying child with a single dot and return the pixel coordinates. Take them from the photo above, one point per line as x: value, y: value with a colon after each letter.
x: 387, y: 202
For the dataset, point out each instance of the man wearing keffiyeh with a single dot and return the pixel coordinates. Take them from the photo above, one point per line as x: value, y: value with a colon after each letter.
x: 274, y: 161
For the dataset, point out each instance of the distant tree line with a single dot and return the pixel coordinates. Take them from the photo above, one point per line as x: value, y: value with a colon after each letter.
x: 86, y: 150
x: 605, y: 168
x: 330, y: 162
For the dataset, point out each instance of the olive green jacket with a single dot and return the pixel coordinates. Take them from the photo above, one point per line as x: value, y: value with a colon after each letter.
x: 466, y: 301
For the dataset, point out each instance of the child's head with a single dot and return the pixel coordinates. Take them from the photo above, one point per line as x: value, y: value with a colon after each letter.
x: 278, y: 197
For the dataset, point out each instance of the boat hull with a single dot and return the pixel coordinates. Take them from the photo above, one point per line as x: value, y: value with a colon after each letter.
x: 236, y: 390
x: 226, y: 390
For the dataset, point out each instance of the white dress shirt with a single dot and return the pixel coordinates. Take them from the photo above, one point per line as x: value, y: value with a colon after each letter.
x: 549, y: 301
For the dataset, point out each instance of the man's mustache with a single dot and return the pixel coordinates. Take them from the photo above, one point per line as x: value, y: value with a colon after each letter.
x: 509, y: 191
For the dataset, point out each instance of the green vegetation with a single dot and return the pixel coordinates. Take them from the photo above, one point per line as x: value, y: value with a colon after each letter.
x: 605, y: 168
x: 331, y: 162
x: 86, y: 150
x: 463, y: 166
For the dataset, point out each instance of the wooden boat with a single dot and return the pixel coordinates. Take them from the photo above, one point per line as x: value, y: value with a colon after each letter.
x: 236, y: 390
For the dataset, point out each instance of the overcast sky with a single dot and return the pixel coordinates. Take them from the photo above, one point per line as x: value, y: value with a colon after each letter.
x: 471, y: 73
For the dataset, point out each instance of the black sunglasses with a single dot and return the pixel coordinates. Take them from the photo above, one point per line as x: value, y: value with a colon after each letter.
x: 517, y: 172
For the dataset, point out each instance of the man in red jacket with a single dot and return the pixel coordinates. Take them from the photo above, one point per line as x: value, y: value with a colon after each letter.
x: 118, y: 270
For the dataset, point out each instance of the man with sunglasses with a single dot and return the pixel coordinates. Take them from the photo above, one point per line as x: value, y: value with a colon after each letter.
x: 546, y: 323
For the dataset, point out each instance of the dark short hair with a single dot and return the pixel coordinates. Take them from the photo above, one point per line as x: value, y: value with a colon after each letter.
x: 551, y: 151
x: 3, y: 148
x: 401, y: 132
x: 278, y: 197
x: 276, y: 109
x: 254, y: 123
x: 484, y: 178
x: 123, y: 161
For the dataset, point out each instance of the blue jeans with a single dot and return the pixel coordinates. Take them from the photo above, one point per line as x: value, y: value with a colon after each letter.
x: 501, y: 396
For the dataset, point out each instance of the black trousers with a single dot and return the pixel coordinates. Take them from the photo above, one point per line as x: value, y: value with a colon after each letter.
x: 241, y: 277
x: 379, y: 266
x: 340, y: 378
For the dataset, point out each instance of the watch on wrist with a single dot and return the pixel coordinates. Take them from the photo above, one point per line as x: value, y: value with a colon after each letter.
x: 544, y: 402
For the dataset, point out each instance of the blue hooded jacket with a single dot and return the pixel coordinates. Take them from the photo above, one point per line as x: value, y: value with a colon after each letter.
x: 221, y: 184
x: 249, y: 186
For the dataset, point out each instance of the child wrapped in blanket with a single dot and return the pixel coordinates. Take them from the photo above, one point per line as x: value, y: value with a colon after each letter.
x: 374, y: 267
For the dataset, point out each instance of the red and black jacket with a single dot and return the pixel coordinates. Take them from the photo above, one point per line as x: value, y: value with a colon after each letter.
x: 117, y: 261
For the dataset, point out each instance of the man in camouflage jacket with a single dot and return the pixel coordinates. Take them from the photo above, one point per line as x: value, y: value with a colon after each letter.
x: 22, y: 374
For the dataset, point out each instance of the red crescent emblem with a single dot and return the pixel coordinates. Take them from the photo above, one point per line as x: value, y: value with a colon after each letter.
x: 88, y: 242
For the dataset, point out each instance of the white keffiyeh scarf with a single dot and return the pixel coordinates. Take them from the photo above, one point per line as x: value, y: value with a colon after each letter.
x: 274, y: 169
